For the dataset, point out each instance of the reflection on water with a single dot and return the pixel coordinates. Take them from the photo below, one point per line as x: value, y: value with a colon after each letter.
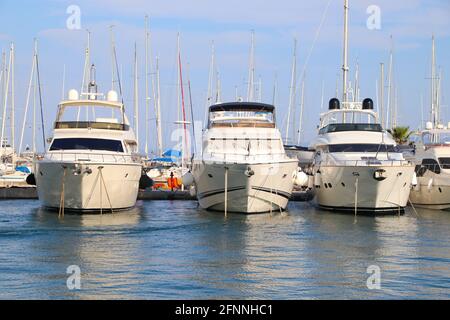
x: 172, y: 249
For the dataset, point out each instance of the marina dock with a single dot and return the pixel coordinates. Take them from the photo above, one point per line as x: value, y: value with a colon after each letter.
x: 31, y: 193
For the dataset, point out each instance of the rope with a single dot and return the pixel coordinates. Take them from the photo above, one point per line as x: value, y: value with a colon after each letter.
x: 92, y: 191
x: 226, y: 190
x: 412, y: 206
x: 61, y: 200
x: 356, y: 197
x: 106, y: 190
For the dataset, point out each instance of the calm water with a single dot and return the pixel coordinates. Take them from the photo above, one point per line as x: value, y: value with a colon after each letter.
x: 173, y: 250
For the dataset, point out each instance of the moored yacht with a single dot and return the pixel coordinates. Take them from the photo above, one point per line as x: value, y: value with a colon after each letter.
x: 357, y: 165
x: 243, y: 166
x: 90, y: 165
x: 432, y: 158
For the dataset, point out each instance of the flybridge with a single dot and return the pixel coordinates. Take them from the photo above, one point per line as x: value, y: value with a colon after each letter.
x: 97, y: 114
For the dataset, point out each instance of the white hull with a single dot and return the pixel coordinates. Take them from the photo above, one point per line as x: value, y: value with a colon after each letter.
x: 87, y: 191
x: 338, y: 186
x: 268, y: 189
x: 432, y: 191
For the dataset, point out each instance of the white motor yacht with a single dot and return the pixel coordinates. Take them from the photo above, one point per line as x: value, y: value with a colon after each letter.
x: 243, y: 166
x: 90, y: 165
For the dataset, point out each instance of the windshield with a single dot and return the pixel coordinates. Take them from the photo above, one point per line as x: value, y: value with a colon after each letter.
x: 433, y: 138
x: 242, y: 118
x: 337, y: 127
x: 86, y: 144
x: 362, y: 148
x: 445, y: 163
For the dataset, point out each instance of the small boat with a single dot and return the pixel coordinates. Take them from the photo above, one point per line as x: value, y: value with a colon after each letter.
x: 90, y: 165
x: 243, y: 166
x: 432, y: 158
x: 432, y: 153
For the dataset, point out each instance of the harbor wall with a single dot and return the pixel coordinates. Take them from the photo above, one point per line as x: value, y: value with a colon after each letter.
x: 31, y: 193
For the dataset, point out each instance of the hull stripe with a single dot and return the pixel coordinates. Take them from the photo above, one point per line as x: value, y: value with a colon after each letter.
x: 218, y: 191
x: 274, y: 191
x: 388, y: 210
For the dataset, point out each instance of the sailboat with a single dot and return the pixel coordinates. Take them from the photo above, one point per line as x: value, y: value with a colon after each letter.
x: 432, y: 153
x: 10, y: 176
x: 357, y: 165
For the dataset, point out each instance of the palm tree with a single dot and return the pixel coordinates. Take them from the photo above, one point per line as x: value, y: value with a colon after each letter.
x: 400, y: 134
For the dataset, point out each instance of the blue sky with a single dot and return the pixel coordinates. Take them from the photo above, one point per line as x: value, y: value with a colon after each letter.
x: 228, y: 24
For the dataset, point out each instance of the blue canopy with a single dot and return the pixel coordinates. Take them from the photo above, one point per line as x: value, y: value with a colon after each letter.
x: 172, y: 153
x: 23, y: 169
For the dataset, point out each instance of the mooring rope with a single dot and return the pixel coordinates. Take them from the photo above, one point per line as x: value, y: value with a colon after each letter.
x: 61, y: 200
x: 106, y: 189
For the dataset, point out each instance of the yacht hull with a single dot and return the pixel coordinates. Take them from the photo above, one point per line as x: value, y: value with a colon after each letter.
x: 432, y: 192
x: 340, y: 187
x: 92, y: 187
x: 251, y: 188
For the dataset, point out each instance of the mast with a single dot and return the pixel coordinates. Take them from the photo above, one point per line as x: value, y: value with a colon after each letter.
x: 113, y: 70
x: 5, y: 99
x: 85, y: 81
x: 434, y: 118
x: 251, y: 70
x: 136, y: 95
x: 158, y: 108
x: 210, y: 82
x: 147, y: 98
x: 30, y: 84
x: 322, y: 96
x: 13, y: 102
x: 345, y: 54
x: 356, y: 90
x: 302, y: 106
x: 275, y: 89
x: 389, y: 107
x: 381, y: 99
x: 185, y: 145
x: 292, y: 90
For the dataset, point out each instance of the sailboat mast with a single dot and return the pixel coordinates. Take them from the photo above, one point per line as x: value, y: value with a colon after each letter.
x: 251, y: 70
x: 302, y: 106
x: 27, y: 102
x: 5, y: 100
x: 147, y: 98
x: 136, y: 95
x: 185, y: 145
x: 113, y: 71
x: 158, y: 109
x: 389, y: 107
x: 292, y: 90
x: 345, y: 68
x: 13, y: 102
x: 433, y: 85
x: 210, y: 81
x: 381, y: 99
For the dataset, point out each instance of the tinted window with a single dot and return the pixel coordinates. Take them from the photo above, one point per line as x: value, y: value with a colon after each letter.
x: 337, y: 127
x: 87, y: 144
x: 361, y: 148
x: 445, y: 163
x: 431, y: 165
